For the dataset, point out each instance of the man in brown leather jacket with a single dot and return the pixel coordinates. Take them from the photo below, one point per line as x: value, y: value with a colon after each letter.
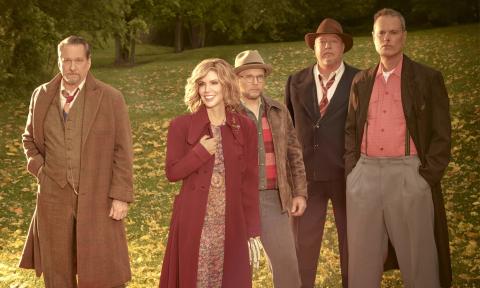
x: 282, y: 185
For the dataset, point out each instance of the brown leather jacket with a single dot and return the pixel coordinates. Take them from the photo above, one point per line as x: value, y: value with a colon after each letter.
x: 291, y: 177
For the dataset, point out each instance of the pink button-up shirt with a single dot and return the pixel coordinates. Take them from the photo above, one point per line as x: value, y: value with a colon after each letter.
x: 385, y: 129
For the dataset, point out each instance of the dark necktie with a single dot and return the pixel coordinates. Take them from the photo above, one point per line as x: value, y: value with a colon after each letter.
x: 69, y: 98
x: 324, y: 103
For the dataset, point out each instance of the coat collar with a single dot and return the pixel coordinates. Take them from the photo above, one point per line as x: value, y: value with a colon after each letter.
x: 341, y: 94
x: 93, y: 98
x: 307, y: 92
x: 200, y: 124
x: 407, y: 86
x: 48, y: 93
x: 270, y: 103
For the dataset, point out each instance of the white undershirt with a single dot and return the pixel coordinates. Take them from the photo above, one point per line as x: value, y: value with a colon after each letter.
x: 387, y: 74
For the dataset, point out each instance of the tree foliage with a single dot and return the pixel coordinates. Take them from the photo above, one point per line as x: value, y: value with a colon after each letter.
x: 26, y: 37
x: 132, y: 21
x: 30, y: 29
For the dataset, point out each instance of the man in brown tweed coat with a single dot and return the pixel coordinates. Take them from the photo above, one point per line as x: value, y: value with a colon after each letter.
x: 78, y: 145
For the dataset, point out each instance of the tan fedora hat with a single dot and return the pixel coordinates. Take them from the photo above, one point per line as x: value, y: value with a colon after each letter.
x: 251, y: 59
x: 329, y: 26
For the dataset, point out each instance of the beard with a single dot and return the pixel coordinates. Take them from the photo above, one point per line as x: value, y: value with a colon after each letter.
x: 72, y: 78
x: 252, y: 95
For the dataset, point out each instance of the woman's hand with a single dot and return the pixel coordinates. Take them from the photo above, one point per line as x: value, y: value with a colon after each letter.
x: 209, y: 143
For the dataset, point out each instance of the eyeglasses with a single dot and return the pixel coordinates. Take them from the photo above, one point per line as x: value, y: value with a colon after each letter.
x: 250, y: 78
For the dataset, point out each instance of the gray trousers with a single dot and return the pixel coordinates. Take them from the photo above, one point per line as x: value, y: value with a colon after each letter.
x: 388, y: 199
x: 277, y: 240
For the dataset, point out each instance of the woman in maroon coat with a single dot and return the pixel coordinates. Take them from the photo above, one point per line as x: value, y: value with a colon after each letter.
x: 216, y: 215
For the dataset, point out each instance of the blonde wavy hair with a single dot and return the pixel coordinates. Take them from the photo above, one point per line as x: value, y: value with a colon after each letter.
x: 227, y: 78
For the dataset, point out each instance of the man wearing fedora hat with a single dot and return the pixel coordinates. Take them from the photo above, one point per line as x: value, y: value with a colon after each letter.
x: 317, y: 98
x: 282, y: 185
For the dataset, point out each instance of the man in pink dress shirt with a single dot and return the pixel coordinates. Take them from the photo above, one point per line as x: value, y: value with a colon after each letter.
x: 397, y: 148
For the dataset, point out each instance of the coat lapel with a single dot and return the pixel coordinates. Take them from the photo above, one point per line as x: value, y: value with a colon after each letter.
x: 43, y: 101
x: 93, y: 98
x: 233, y: 122
x: 363, y: 102
x: 407, y: 87
x: 307, y: 94
x: 340, y: 97
x: 409, y: 99
x: 198, y: 124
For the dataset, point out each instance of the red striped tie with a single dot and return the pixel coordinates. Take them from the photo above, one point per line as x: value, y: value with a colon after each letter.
x: 69, y: 98
x: 324, y: 103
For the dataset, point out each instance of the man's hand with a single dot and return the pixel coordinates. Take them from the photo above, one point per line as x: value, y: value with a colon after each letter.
x: 119, y: 210
x: 299, y: 204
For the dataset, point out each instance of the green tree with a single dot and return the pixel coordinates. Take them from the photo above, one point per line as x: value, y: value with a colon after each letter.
x: 27, y: 37
x: 132, y: 22
x: 193, y: 17
x: 226, y: 21
x: 30, y: 30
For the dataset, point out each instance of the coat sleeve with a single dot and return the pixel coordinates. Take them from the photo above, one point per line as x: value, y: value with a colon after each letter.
x: 181, y: 161
x: 250, y: 195
x: 35, y: 159
x: 437, y: 154
x: 121, y: 187
x: 288, y: 101
x: 351, y: 129
x: 295, y: 161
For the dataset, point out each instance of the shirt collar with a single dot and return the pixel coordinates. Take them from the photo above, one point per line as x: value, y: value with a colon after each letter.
x: 260, y: 108
x: 397, y: 71
x: 62, y: 87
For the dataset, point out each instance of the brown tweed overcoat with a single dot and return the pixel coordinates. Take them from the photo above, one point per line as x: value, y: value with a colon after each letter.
x: 105, y: 174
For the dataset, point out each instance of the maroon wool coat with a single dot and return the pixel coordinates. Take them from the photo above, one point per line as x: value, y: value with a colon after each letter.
x: 106, y: 173
x: 189, y: 161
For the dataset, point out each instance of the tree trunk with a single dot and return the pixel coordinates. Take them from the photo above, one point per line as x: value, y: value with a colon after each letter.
x: 118, y: 49
x: 132, y: 47
x: 197, y: 35
x: 476, y: 10
x: 122, y: 53
x: 178, y: 39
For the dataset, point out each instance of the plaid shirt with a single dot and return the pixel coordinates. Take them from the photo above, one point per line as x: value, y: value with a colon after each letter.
x: 267, y: 170
x: 270, y: 164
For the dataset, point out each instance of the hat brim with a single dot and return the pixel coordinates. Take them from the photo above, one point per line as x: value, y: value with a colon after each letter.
x: 347, y: 40
x: 267, y: 67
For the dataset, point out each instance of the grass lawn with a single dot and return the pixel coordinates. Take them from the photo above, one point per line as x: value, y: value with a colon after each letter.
x: 154, y: 92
